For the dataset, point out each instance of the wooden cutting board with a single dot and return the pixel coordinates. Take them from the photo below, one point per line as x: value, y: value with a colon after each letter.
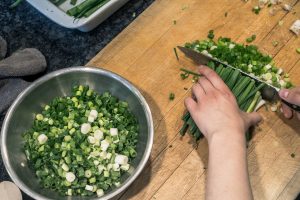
x: 143, y: 54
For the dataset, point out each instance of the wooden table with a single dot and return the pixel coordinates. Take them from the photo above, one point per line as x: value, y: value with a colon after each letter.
x: 143, y: 53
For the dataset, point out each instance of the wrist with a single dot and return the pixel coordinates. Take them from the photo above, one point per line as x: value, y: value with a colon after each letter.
x: 227, y: 137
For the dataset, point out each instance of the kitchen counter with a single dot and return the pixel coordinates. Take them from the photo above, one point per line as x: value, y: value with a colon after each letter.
x: 25, y: 27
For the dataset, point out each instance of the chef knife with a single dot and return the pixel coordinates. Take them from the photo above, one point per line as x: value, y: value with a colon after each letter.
x: 270, y: 91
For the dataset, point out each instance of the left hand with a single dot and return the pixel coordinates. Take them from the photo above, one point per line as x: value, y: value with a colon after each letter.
x: 215, y: 110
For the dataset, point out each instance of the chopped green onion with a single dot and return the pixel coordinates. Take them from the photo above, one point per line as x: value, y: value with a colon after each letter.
x: 251, y: 39
x: 244, y: 57
x: 171, y: 96
x: 77, y: 156
x: 175, y: 51
x: 275, y: 43
x: 211, y: 34
x: 189, y: 72
x: 256, y: 9
x: 15, y: 4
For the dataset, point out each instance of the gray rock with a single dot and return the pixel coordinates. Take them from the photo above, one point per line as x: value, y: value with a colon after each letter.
x: 10, y: 91
x: 3, y: 82
x: 3, y: 48
x: 23, y: 63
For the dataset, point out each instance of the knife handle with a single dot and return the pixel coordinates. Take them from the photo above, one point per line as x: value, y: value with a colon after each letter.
x: 292, y: 106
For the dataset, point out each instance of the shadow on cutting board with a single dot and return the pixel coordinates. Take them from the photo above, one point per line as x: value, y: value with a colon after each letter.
x: 160, y: 140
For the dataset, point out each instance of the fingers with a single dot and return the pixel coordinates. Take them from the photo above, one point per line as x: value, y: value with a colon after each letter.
x: 198, y: 91
x: 190, y: 104
x: 214, y: 78
x: 253, y: 118
x: 287, y: 111
x: 206, y: 85
x: 291, y: 95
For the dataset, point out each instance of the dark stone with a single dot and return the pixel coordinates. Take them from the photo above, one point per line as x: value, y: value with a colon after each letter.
x: 23, y: 63
x: 25, y: 27
x: 10, y: 91
x: 3, y: 48
x: 3, y: 82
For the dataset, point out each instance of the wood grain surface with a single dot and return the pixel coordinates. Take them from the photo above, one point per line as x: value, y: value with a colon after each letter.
x: 143, y: 54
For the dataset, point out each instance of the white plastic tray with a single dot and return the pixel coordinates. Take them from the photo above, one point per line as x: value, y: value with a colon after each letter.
x: 59, y: 16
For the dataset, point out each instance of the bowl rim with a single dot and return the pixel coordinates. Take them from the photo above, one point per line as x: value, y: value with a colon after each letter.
x: 35, y: 84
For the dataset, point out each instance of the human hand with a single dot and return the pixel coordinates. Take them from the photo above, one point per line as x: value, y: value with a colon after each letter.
x: 291, y: 96
x: 215, y: 110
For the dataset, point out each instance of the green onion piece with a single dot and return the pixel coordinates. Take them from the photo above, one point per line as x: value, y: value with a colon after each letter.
x: 15, y: 4
x: 91, y: 11
x: 256, y: 9
x: 211, y: 34
x: 175, y: 51
x: 251, y: 39
x: 189, y: 72
x: 84, y: 6
x: 253, y: 92
x: 246, y: 92
x: 254, y: 102
x: 171, y: 96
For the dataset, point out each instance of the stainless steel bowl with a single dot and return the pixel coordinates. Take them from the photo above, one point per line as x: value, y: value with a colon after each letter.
x: 59, y: 83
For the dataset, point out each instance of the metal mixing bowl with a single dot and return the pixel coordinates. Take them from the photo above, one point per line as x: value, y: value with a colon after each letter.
x: 20, y: 117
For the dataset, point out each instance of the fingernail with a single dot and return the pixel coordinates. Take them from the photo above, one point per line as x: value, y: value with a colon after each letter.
x: 284, y: 93
x: 281, y: 110
x: 201, y: 66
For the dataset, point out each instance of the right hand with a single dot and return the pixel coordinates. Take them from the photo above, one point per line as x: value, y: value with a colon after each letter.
x: 291, y: 96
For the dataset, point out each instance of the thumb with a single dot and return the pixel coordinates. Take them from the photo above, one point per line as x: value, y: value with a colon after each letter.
x: 252, y: 119
x: 291, y: 95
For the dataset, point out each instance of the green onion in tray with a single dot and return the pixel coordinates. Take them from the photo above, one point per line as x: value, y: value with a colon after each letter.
x: 86, y: 8
x: 83, y: 9
x: 82, y: 144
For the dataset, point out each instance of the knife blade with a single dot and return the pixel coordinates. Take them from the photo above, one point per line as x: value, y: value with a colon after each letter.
x: 269, y: 92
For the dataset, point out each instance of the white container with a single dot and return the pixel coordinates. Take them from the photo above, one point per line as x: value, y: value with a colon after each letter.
x: 59, y: 15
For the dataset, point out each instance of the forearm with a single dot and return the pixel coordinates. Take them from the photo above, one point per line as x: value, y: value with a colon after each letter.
x: 227, y: 169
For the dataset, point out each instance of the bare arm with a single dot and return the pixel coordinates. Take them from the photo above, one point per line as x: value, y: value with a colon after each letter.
x: 216, y: 113
x: 227, y: 169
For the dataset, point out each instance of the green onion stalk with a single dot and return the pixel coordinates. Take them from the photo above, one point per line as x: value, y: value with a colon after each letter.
x: 16, y: 3
x: 86, y: 8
